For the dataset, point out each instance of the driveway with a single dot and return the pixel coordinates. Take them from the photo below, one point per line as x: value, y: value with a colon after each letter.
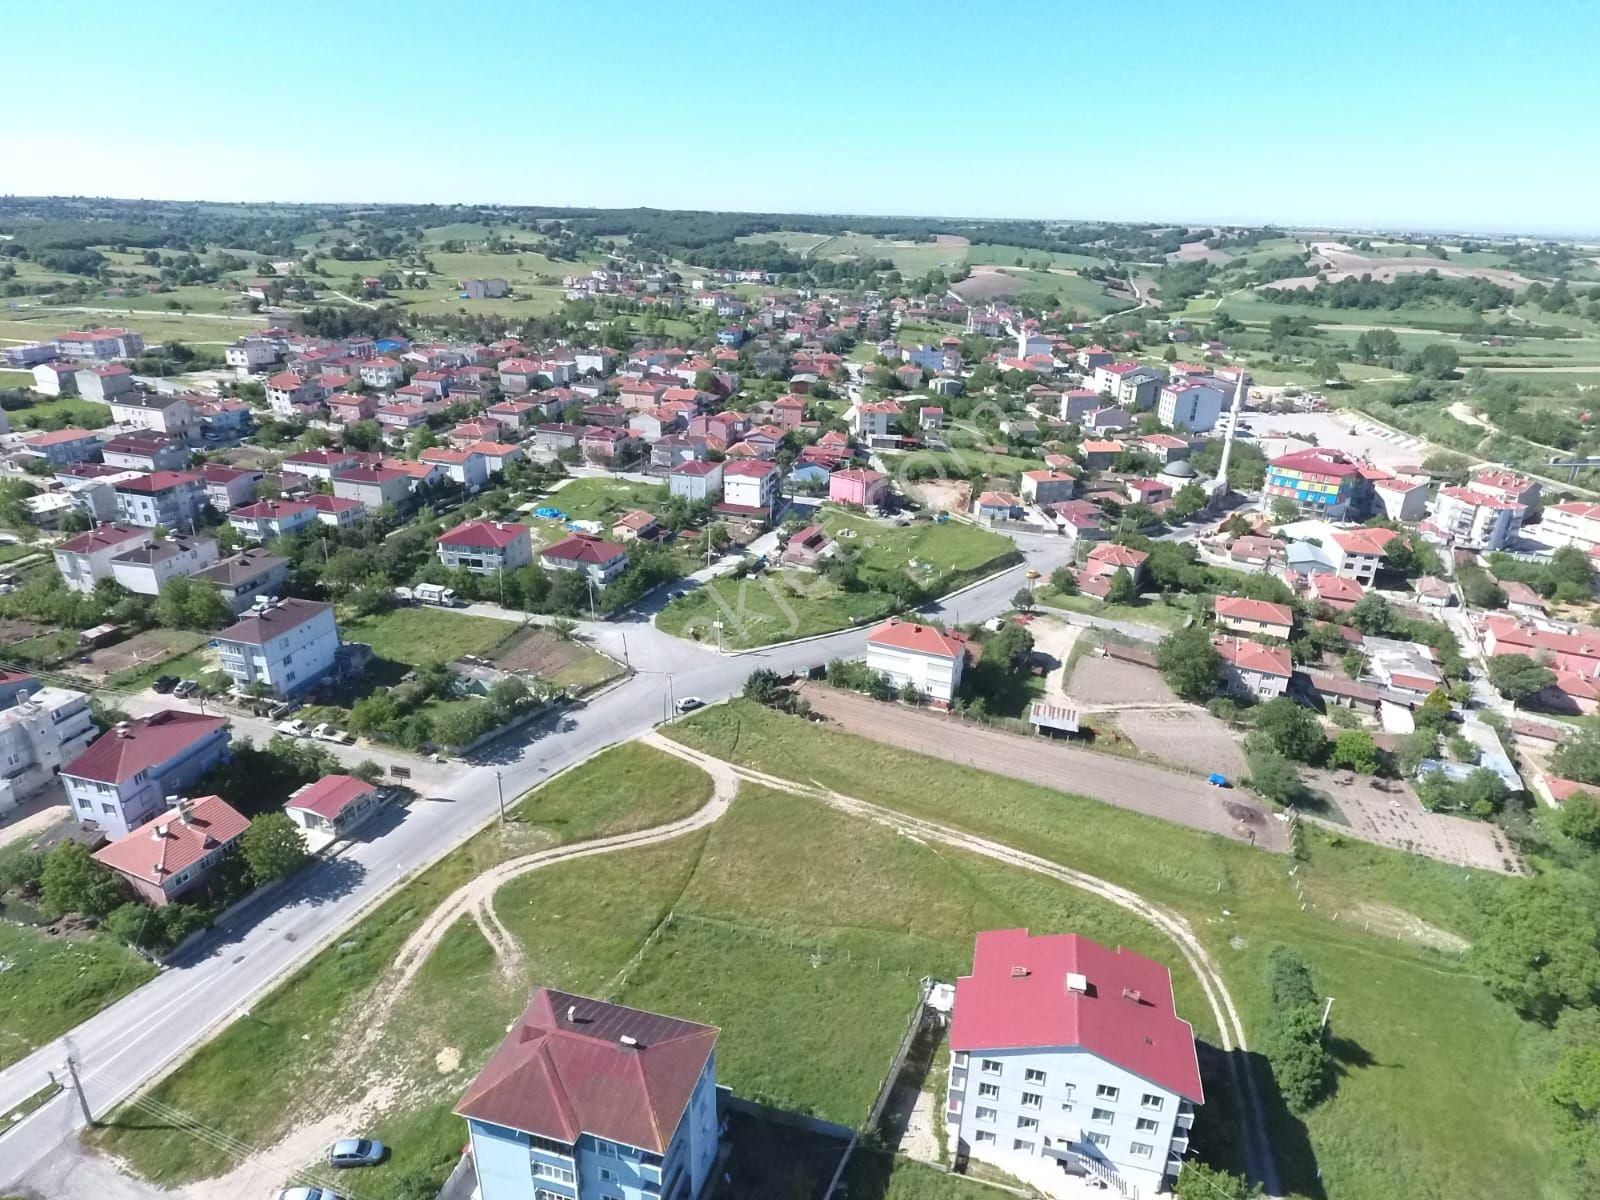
x: 1126, y: 783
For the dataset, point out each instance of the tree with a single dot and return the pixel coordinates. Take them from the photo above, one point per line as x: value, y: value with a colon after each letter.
x: 1121, y: 589
x: 1371, y: 614
x: 72, y: 882
x: 1023, y: 599
x: 1579, y: 758
x: 762, y: 686
x: 1579, y: 819
x: 1064, y: 581
x: 1190, y: 664
x: 1274, y: 778
x: 1196, y: 1181
x: 1355, y: 750
x: 273, y: 847
x: 1539, y: 949
x: 1572, y: 1090
x: 1291, y: 730
x: 1517, y: 677
x: 1284, y: 510
x: 1188, y: 500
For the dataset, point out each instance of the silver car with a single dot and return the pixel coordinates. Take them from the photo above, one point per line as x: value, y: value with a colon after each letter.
x: 355, y: 1152
x: 308, y: 1193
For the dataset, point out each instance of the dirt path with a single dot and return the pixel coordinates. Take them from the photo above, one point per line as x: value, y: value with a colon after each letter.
x: 1230, y: 1028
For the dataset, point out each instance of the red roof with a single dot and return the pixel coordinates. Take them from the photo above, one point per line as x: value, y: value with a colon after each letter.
x: 1240, y: 608
x: 581, y: 548
x: 272, y: 509
x: 58, y: 437
x: 138, y: 745
x: 330, y: 795
x: 259, y: 628
x: 175, y: 840
x: 1364, y: 541
x: 1317, y: 460
x: 286, y: 381
x: 158, y: 481
x: 496, y: 535
x: 696, y: 467
x: 103, y: 538
x: 1114, y: 555
x: 573, y: 1065
x: 1065, y: 990
x: 333, y: 504
x: 922, y: 639
x: 1253, y: 656
x: 755, y: 470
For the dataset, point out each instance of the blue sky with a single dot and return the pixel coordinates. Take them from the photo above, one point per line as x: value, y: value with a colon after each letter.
x: 1465, y: 115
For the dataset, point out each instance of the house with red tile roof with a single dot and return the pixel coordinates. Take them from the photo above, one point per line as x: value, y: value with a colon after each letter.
x: 126, y: 774
x: 584, y: 1089
x: 598, y: 560
x: 468, y: 468
x: 928, y: 658
x: 1106, y: 559
x: 632, y: 526
x: 1068, y: 1054
x: 176, y: 851
x: 86, y: 559
x: 267, y: 519
x: 858, y: 486
x: 486, y: 547
x: 332, y: 806
x: 1337, y: 592
x: 1252, y: 669
x: 59, y: 447
x: 1239, y: 614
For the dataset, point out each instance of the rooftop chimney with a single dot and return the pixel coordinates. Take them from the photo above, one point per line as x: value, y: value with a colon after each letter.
x: 1131, y: 994
x: 572, y: 1013
x: 629, y: 1040
x: 1019, y: 972
x: 123, y: 731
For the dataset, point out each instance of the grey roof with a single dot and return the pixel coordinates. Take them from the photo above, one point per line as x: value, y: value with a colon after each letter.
x: 1181, y: 469
x: 160, y: 551
x: 242, y: 567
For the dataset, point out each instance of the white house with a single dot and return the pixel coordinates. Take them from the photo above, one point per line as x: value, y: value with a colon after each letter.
x: 287, y: 645
x: 249, y: 356
x: 696, y: 480
x: 751, y: 486
x: 928, y: 658
x: 103, y: 384
x: 267, y: 519
x: 125, y: 776
x: 1575, y: 523
x: 1191, y: 404
x: 46, y: 728
x: 85, y: 560
x: 1477, y: 520
x: 172, y: 499
x: 469, y: 468
x: 160, y: 412
x: 247, y: 576
x: 332, y: 806
x: 600, y: 561
x: 146, y: 569
x: 486, y: 547
x: 1065, y: 1055
x: 1251, y: 669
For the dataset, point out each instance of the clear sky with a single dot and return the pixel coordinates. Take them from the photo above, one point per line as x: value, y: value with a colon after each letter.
x: 1467, y: 114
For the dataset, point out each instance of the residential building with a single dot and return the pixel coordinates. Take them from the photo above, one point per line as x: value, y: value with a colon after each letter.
x: 875, y: 421
x: 323, y: 465
x: 1239, y: 614
x: 1506, y: 485
x: 1477, y: 520
x: 373, y: 487
x: 175, y: 851
x: 333, y: 806
x: 1253, y: 670
x: 41, y: 729
x: 485, y: 547
x: 483, y: 289
x: 251, y: 356
x: 600, y: 561
x: 468, y: 468
x: 1068, y: 1056
x: 1047, y: 487
x: 145, y: 452
x: 1358, y: 553
x: 268, y: 519
x: 172, y: 413
x: 1401, y: 498
x: 62, y: 447
x: 104, y: 384
x: 696, y: 480
x: 171, y: 499
x: 1574, y: 523
x: 496, y: 455
x: 287, y: 645
x: 227, y: 488
x: 336, y: 512
x: 750, y: 488
x: 1191, y: 404
x: 858, y: 486
x: 1319, y: 480
x: 126, y: 774
x: 55, y: 378
x: 246, y: 577
x: 146, y: 569
x: 1340, y: 593
x: 632, y: 526
x: 289, y: 394
x: 928, y: 658
x: 996, y: 506
x: 101, y: 343
x: 1106, y: 559
x: 382, y: 373
x: 86, y: 559
x: 590, y: 1100
x: 1574, y: 650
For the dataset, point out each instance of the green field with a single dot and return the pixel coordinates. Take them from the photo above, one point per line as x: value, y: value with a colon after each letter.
x: 37, y: 324
x: 909, y: 258
x: 1245, y: 306
x: 598, y: 498
x: 51, y: 984
x: 423, y: 635
x: 988, y: 253
x: 1415, y: 1030
x: 1160, y: 614
x: 59, y: 412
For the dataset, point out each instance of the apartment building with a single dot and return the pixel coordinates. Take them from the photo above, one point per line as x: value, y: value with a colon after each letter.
x: 287, y: 645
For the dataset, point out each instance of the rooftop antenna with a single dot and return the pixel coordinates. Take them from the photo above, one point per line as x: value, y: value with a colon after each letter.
x: 1220, y: 487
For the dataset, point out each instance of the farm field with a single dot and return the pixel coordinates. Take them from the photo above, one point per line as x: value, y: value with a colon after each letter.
x: 1414, y: 1027
x: 1244, y: 306
x: 988, y: 253
x: 909, y: 258
x: 38, y: 323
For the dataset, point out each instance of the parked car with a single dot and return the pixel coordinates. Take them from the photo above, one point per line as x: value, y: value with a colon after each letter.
x: 309, y: 1193
x: 294, y: 728
x: 690, y: 703
x: 280, y: 710
x: 355, y: 1152
x: 1217, y: 779
x: 327, y: 733
x: 164, y: 684
x: 186, y: 688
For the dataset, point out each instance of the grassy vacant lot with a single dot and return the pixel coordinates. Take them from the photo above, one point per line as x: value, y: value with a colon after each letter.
x: 51, y: 984
x: 306, y: 1027
x: 600, y: 499
x: 59, y: 412
x: 1159, y: 614
x: 909, y: 258
x: 960, y: 462
x: 422, y: 635
x: 875, y: 1175
x: 780, y: 605
x: 1414, y: 1029
x: 36, y: 324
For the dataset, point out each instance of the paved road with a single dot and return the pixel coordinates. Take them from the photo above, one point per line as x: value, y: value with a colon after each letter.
x: 147, y: 1032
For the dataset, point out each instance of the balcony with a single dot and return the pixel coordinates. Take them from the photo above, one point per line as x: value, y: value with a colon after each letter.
x: 1180, y: 1145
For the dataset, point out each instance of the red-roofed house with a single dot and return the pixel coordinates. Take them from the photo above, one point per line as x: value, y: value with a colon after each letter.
x: 600, y: 561
x: 1574, y: 523
x: 1252, y: 669
x: 374, y: 487
x: 925, y: 656
x: 175, y: 852
x: 485, y: 547
x: 340, y: 512
x: 1107, y: 558
x: 85, y: 560
x: 60, y: 447
x: 1337, y: 592
x: 267, y: 519
x: 1357, y: 553
x: 125, y: 776
x: 750, y: 488
x: 1238, y: 614
x: 332, y: 806
x: 863, y: 488
x: 469, y: 468
x: 1067, y: 1053
x: 587, y: 1090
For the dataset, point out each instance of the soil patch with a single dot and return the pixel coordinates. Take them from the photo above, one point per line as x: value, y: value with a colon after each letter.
x: 1407, y: 927
x: 1101, y: 680
x: 537, y: 651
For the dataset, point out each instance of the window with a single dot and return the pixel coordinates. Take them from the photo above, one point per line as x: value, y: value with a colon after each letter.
x: 983, y: 1135
x: 1032, y: 1100
x: 1066, y: 1106
x: 989, y: 1091
x: 985, y: 1114
x: 1105, y: 1091
x: 1139, y: 1149
x: 551, y: 1171
x: 1025, y: 1147
x: 1100, y: 1139
x: 1031, y: 1075
x: 1149, y: 1100
x: 991, y: 1066
x: 1145, y: 1125
x: 1027, y: 1122
x: 607, y: 1175
x: 1102, y: 1114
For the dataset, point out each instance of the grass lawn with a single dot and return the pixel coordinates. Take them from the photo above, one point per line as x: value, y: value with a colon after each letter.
x: 960, y: 462
x: 1245, y: 306
x: 59, y: 412
x: 1414, y: 1029
x: 459, y: 1000
x: 597, y: 498
x: 51, y: 984
x: 190, y: 665
x: 1159, y: 614
x: 877, y: 1175
x: 16, y: 379
x: 986, y: 253
x: 421, y: 635
x: 37, y: 324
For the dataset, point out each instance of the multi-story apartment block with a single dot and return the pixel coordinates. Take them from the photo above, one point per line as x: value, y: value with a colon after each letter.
x: 485, y: 547
x: 171, y: 499
x: 125, y: 776
x: 86, y: 559
x: 287, y: 645
x: 42, y: 729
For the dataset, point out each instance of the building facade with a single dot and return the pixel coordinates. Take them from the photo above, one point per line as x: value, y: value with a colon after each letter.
x: 286, y: 645
x: 42, y: 730
x: 126, y: 774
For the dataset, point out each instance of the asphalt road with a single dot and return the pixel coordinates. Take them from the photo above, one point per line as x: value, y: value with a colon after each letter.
x: 148, y: 1031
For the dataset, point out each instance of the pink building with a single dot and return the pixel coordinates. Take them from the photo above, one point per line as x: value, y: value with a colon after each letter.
x: 858, y: 486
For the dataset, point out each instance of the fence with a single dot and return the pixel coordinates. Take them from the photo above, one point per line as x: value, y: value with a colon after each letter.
x: 919, y: 1015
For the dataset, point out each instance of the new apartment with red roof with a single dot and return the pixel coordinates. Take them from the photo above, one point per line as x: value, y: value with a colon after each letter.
x: 59, y: 447
x: 1067, y: 1054
x: 928, y: 658
x: 85, y: 560
x: 1320, y: 480
x: 1481, y: 520
x: 1253, y: 669
x: 169, y: 498
x: 599, y: 560
x: 1238, y: 614
x: 267, y: 519
x: 174, y: 853
x: 125, y: 776
x: 596, y: 1101
x: 485, y: 547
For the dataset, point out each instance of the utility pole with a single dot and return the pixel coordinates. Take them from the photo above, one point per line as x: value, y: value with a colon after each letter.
x: 1326, y: 1009
x: 77, y: 1085
x: 500, y: 791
